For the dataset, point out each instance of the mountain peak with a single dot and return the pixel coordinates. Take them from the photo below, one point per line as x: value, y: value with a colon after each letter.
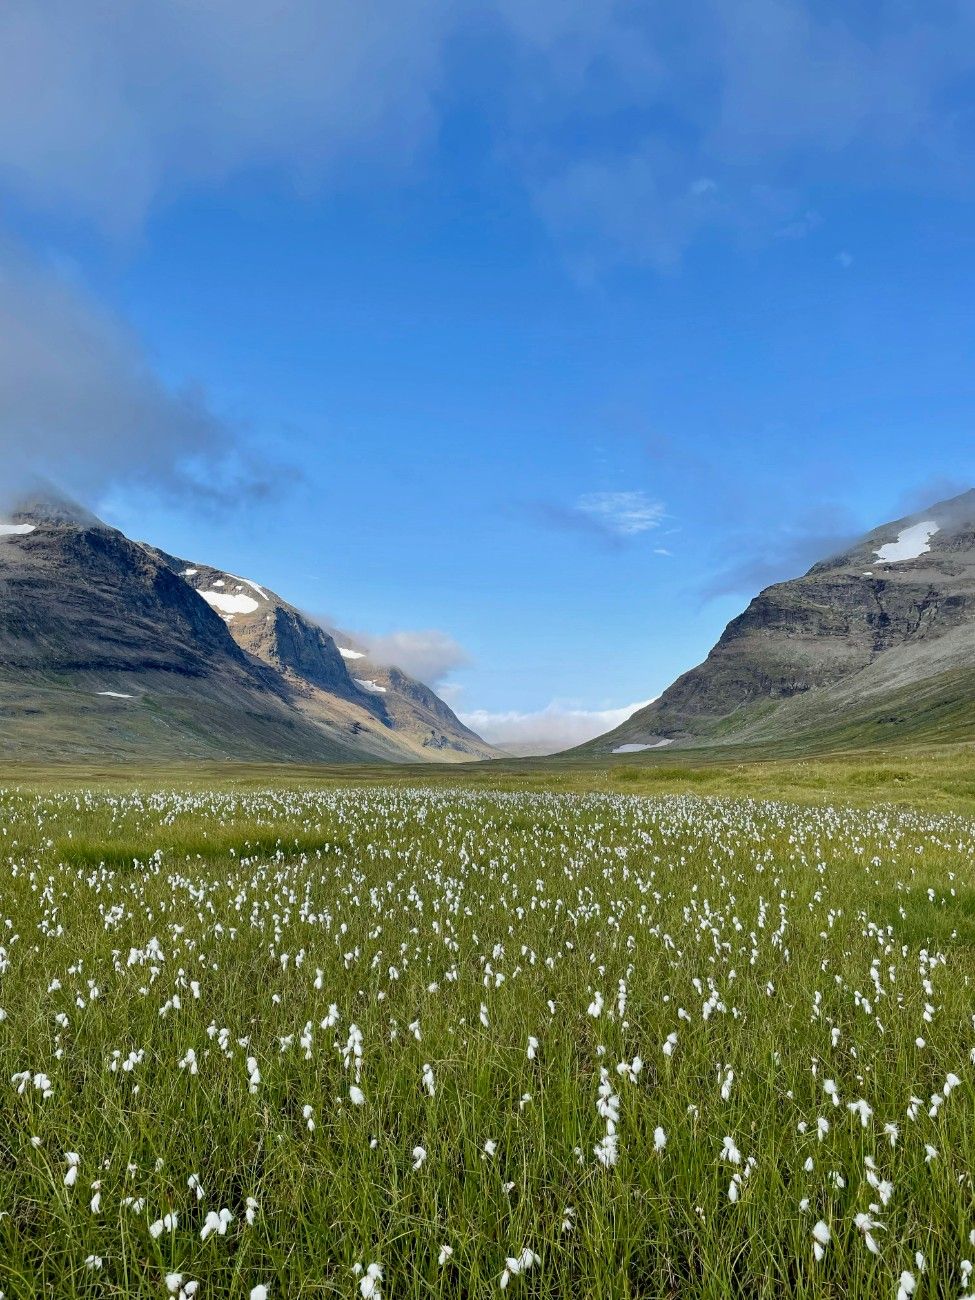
x: 43, y: 504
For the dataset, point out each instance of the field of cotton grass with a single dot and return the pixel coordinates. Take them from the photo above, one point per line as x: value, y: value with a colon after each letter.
x: 404, y: 1043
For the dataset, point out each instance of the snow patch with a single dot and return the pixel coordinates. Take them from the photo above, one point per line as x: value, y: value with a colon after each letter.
x: 189, y: 573
x: 229, y: 604
x: 350, y: 654
x: 16, y: 530
x: 367, y: 685
x: 911, y: 543
x: 253, y: 586
x: 636, y: 749
x: 117, y: 695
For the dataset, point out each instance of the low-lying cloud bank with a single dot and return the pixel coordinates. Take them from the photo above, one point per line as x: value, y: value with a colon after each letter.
x: 558, y: 726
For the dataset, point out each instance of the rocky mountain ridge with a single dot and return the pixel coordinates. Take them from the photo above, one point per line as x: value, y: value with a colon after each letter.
x: 113, y: 648
x: 892, y: 613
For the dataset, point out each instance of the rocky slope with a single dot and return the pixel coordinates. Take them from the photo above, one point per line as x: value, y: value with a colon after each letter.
x: 108, y: 649
x: 388, y: 714
x: 870, y: 644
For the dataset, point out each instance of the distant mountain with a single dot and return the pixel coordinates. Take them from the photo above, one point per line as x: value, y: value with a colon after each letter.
x: 871, y: 645
x: 111, y: 648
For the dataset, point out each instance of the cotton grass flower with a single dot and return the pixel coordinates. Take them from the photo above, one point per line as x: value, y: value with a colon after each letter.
x: 216, y: 1223
x: 514, y: 1265
x: 369, y: 1287
x: 821, y: 1236
x: 730, y: 1152
x: 861, y: 1109
x: 607, y: 1150
x: 166, y: 1224
x: 868, y: 1226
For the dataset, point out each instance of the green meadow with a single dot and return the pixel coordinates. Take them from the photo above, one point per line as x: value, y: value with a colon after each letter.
x: 638, y: 1029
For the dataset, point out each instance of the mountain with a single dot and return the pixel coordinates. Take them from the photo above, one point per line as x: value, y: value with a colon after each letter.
x: 871, y: 645
x: 111, y: 648
x: 389, y: 714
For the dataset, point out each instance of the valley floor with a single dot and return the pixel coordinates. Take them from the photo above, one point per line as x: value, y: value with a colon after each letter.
x: 929, y: 777
x: 287, y: 1033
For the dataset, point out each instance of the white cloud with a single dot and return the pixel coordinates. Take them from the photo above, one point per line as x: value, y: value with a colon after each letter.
x: 427, y: 654
x: 558, y: 726
x: 626, y: 514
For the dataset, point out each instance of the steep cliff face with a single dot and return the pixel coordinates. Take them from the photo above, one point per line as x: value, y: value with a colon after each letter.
x: 896, y: 608
x: 262, y: 625
x: 80, y: 595
x: 382, y: 711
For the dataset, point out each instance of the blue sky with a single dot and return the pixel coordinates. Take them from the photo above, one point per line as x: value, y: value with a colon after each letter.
x: 534, y: 337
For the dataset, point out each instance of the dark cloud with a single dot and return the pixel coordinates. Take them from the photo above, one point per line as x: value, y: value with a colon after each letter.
x: 81, y: 403
x: 715, y: 105
x: 723, y: 105
x: 931, y: 492
x: 781, y: 552
x: 141, y: 100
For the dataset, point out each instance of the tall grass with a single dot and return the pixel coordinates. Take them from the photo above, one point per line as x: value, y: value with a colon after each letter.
x: 537, y: 952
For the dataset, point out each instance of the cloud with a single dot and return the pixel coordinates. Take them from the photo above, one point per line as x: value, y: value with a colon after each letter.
x: 631, y: 127
x: 788, y: 549
x: 929, y: 493
x: 427, y: 654
x: 558, y: 726
x: 609, y: 210
x: 782, y: 552
x: 803, y: 225
x: 638, y: 127
x: 79, y: 401
x: 801, y: 77
x: 625, y: 513
x: 142, y: 99
x: 612, y: 517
